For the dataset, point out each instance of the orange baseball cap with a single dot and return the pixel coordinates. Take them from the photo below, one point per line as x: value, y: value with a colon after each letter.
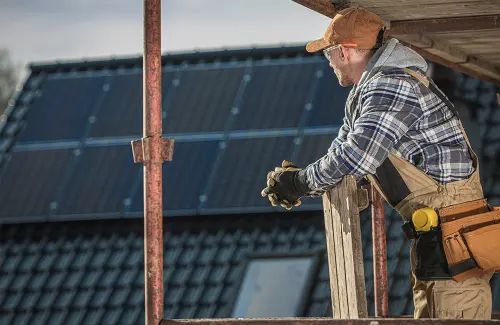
x: 353, y: 27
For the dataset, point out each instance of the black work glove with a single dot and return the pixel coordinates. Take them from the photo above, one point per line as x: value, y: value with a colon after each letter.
x: 286, y: 185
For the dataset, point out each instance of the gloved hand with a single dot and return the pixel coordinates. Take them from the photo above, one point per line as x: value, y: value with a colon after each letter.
x: 286, y: 185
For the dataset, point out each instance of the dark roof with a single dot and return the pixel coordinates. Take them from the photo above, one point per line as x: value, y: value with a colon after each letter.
x: 485, y: 112
x: 177, y: 58
x: 61, y: 273
x: 234, y: 115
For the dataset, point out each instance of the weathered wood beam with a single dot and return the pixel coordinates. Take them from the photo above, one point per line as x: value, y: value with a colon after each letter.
x: 473, y: 66
x: 455, y: 24
x: 451, y: 56
x: 446, y: 51
x: 479, y: 72
x: 483, y: 68
x: 345, y: 250
x: 327, y: 321
x: 323, y: 7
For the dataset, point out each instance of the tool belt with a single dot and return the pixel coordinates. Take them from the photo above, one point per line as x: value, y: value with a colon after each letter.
x: 465, y: 244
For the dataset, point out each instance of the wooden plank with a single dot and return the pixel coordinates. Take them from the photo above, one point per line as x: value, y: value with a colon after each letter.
x: 485, y: 35
x: 325, y: 321
x: 417, y: 40
x: 390, y: 3
x: 479, y: 48
x: 475, y: 73
x: 437, y: 47
x: 435, y: 11
x: 491, y: 57
x: 441, y: 47
x: 455, y: 66
x: 345, y: 253
x: 479, y: 43
x: 337, y: 310
x: 448, y: 52
x: 449, y: 24
x: 338, y: 285
x: 483, y: 67
x: 323, y: 7
x: 352, y: 236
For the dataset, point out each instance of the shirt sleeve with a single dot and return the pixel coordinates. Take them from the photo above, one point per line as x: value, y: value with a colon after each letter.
x: 389, y: 108
x: 341, y: 136
x: 336, y: 143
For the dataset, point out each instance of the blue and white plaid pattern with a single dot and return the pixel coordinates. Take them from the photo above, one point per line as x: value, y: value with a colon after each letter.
x: 394, y: 113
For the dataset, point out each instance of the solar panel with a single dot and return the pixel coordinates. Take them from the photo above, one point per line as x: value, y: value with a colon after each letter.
x: 184, y: 177
x: 313, y: 147
x: 102, y: 179
x: 202, y: 100
x: 120, y: 112
x: 276, y: 96
x: 63, y: 109
x: 31, y: 180
x: 242, y: 172
x: 329, y: 101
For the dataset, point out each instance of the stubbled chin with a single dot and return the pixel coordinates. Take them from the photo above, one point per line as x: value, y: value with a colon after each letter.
x: 344, y: 82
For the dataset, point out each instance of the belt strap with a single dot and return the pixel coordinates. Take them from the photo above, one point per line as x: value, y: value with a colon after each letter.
x: 462, y: 267
x: 409, y: 230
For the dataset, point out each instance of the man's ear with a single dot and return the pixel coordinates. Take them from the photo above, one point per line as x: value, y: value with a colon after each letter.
x: 344, y: 53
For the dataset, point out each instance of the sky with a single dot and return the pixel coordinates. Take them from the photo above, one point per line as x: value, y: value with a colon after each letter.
x: 49, y: 30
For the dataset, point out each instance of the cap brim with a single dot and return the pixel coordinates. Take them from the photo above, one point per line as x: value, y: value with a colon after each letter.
x: 317, y: 45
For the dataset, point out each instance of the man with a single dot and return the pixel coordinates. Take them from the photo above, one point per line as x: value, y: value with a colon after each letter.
x: 402, y: 134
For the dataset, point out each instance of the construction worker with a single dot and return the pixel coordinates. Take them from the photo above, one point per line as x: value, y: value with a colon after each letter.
x: 402, y: 134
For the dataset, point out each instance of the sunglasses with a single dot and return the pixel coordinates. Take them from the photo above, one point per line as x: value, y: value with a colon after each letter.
x: 328, y: 50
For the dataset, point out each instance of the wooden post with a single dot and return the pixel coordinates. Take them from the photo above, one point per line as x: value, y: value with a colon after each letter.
x: 345, y: 250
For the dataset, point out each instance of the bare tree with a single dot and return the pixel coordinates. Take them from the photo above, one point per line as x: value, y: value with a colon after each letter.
x: 8, y: 78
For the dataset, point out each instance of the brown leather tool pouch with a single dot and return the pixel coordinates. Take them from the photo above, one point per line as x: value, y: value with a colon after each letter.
x: 471, y: 239
x: 484, y: 243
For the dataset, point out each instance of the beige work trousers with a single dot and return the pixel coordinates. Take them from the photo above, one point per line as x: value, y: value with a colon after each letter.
x: 447, y: 299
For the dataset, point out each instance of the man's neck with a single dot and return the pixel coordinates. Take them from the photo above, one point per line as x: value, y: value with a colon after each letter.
x: 358, y: 69
x: 357, y: 72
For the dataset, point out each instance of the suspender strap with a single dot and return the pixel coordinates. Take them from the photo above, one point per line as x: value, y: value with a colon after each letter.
x: 433, y: 88
x: 390, y: 180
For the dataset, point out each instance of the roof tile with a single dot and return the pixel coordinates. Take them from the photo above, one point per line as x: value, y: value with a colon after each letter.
x: 55, y: 280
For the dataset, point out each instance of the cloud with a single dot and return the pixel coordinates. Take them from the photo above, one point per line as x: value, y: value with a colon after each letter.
x: 58, y: 29
x: 74, y: 9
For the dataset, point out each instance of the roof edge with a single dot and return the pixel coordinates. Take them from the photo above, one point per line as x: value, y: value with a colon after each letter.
x: 176, y: 58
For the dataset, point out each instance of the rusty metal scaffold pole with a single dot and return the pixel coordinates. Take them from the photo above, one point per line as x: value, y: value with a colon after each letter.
x: 152, y: 150
x: 379, y: 246
x: 379, y: 255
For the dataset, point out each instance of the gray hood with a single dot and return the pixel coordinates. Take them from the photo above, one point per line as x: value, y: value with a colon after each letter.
x: 390, y: 56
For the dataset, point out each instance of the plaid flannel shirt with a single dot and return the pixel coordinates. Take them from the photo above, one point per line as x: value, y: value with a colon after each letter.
x: 393, y: 113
